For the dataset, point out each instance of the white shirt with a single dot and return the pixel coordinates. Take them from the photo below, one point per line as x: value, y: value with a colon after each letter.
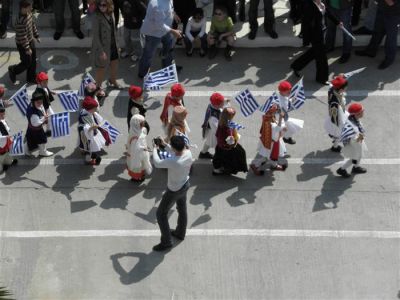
x: 178, y: 168
x: 36, y: 120
x: 194, y: 26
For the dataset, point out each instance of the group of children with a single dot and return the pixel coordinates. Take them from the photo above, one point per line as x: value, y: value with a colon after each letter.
x: 218, y: 129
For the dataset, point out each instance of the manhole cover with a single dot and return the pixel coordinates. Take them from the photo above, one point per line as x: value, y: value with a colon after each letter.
x: 59, y: 60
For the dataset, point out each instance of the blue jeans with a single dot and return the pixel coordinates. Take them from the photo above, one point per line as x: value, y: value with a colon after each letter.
x: 385, y: 24
x: 345, y: 16
x: 150, y: 46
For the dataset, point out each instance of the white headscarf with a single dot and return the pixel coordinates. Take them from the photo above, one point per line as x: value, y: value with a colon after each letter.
x: 135, y: 127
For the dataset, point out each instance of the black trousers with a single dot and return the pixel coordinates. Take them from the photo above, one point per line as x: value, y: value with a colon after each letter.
x: 168, y: 200
x: 27, y: 63
x: 269, y: 17
x: 316, y: 52
x: 117, y: 7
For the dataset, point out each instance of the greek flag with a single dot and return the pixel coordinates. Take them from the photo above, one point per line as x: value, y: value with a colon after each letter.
x: 234, y: 125
x: 60, y: 124
x: 297, y: 95
x: 156, y: 80
x: 347, y: 132
x: 85, y: 81
x: 20, y: 98
x: 163, y: 154
x: 273, y: 99
x: 112, y: 131
x: 247, y: 102
x: 17, y: 145
x: 69, y: 100
x: 349, y: 74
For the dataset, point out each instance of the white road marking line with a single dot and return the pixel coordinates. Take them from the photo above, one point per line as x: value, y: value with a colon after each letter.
x: 257, y: 93
x: 292, y: 161
x: 206, y: 232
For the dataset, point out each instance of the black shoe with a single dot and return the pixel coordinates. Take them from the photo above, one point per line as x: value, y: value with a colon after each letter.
x: 362, y: 31
x: 383, y: 65
x: 358, y: 170
x: 344, y: 58
x: 323, y: 82
x: 296, y: 73
x: 5, y: 168
x: 252, y: 35
x: 79, y: 34
x: 228, y: 53
x: 189, y: 52
x: 48, y: 133
x: 336, y: 149
x: 140, y: 76
x: 12, y: 75
x: 289, y: 141
x: 364, y: 53
x: 161, y: 247
x: 206, y: 155
x: 3, y: 34
x: 179, y: 68
x: 272, y: 33
x: 174, y: 234
x: 57, y: 35
x: 343, y: 173
x: 14, y: 162
x: 202, y: 53
x: 98, y: 160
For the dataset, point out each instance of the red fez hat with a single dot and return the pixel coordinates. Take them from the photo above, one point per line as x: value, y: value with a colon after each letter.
x: 41, y: 76
x: 135, y: 91
x: 177, y: 90
x: 355, y: 108
x: 284, y: 86
x: 217, y: 99
x: 339, y: 82
x: 89, y: 103
x: 2, y: 90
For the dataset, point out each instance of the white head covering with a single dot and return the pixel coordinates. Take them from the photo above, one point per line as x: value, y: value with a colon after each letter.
x: 135, y: 128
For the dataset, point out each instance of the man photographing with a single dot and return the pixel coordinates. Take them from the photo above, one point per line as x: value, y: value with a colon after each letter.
x: 178, y: 164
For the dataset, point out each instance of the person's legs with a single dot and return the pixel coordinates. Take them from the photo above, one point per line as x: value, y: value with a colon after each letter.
x: 203, y: 41
x: 5, y: 17
x: 116, y: 12
x: 113, y: 71
x: 357, y: 7
x: 150, y: 47
x: 180, y: 230
x: 330, y: 36
x: 167, y: 201
x: 59, y: 7
x: 253, y: 14
x: 99, y: 76
x: 303, y: 60
x: 25, y: 61
x: 128, y: 41
x: 188, y: 46
x: 167, y: 49
x: 369, y: 20
x: 377, y: 35
x: 345, y: 17
x: 391, y: 27
x: 269, y: 17
x: 75, y: 15
x: 31, y: 71
x: 321, y: 63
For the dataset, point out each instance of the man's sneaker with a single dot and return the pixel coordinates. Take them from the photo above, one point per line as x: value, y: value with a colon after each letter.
x: 336, y: 149
x: 256, y: 171
x: 161, y: 247
x: 12, y: 75
x: 289, y: 141
x: 358, y: 170
x: 206, y: 155
x: 343, y: 173
x: 176, y: 235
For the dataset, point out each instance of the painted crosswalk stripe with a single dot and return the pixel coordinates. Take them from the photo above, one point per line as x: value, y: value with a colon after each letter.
x: 301, y: 233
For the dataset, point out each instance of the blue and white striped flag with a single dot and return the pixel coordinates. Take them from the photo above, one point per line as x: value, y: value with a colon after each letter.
x: 17, y: 145
x: 60, y: 124
x: 112, y: 131
x: 85, y: 81
x: 349, y: 74
x: 163, y: 154
x: 20, y: 98
x: 347, y: 132
x: 235, y: 125
x: 69, y: 100
x: 157, y: 79
x: 297, y: 95
x: 273, y: 99
x: 247, y: 102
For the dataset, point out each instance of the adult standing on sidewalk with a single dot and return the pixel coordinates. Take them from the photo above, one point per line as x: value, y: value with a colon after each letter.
x: 5, y: 16
x: 25, y: 36
x: 269, y: 19
x: 104, y: 43
x: 157, y: 28
x: 59, y: 8
x: 178, y: 165
x: 386, y: 23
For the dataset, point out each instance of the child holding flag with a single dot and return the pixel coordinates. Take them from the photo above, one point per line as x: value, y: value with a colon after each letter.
x: 37, y: 118
x: 352, y: 136
x: 138, y: 157
x: 270, y: 144
x: 5, y: 142
x: 42, y: 81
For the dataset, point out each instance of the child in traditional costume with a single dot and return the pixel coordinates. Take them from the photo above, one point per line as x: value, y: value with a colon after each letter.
x: 138, y: 157
x: 229, y: 157
x: 210, y: 124
x: 135, y: 105
x: 42, y: 81
x: 177, y: 125
x: 5, y: 103
x: 92, y: 138
x: 352, y: 136
x: 174, y: 98
x: 270, y: 145
x: 337, y: 111
x: 37, y: 117
x: 6, y: 159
